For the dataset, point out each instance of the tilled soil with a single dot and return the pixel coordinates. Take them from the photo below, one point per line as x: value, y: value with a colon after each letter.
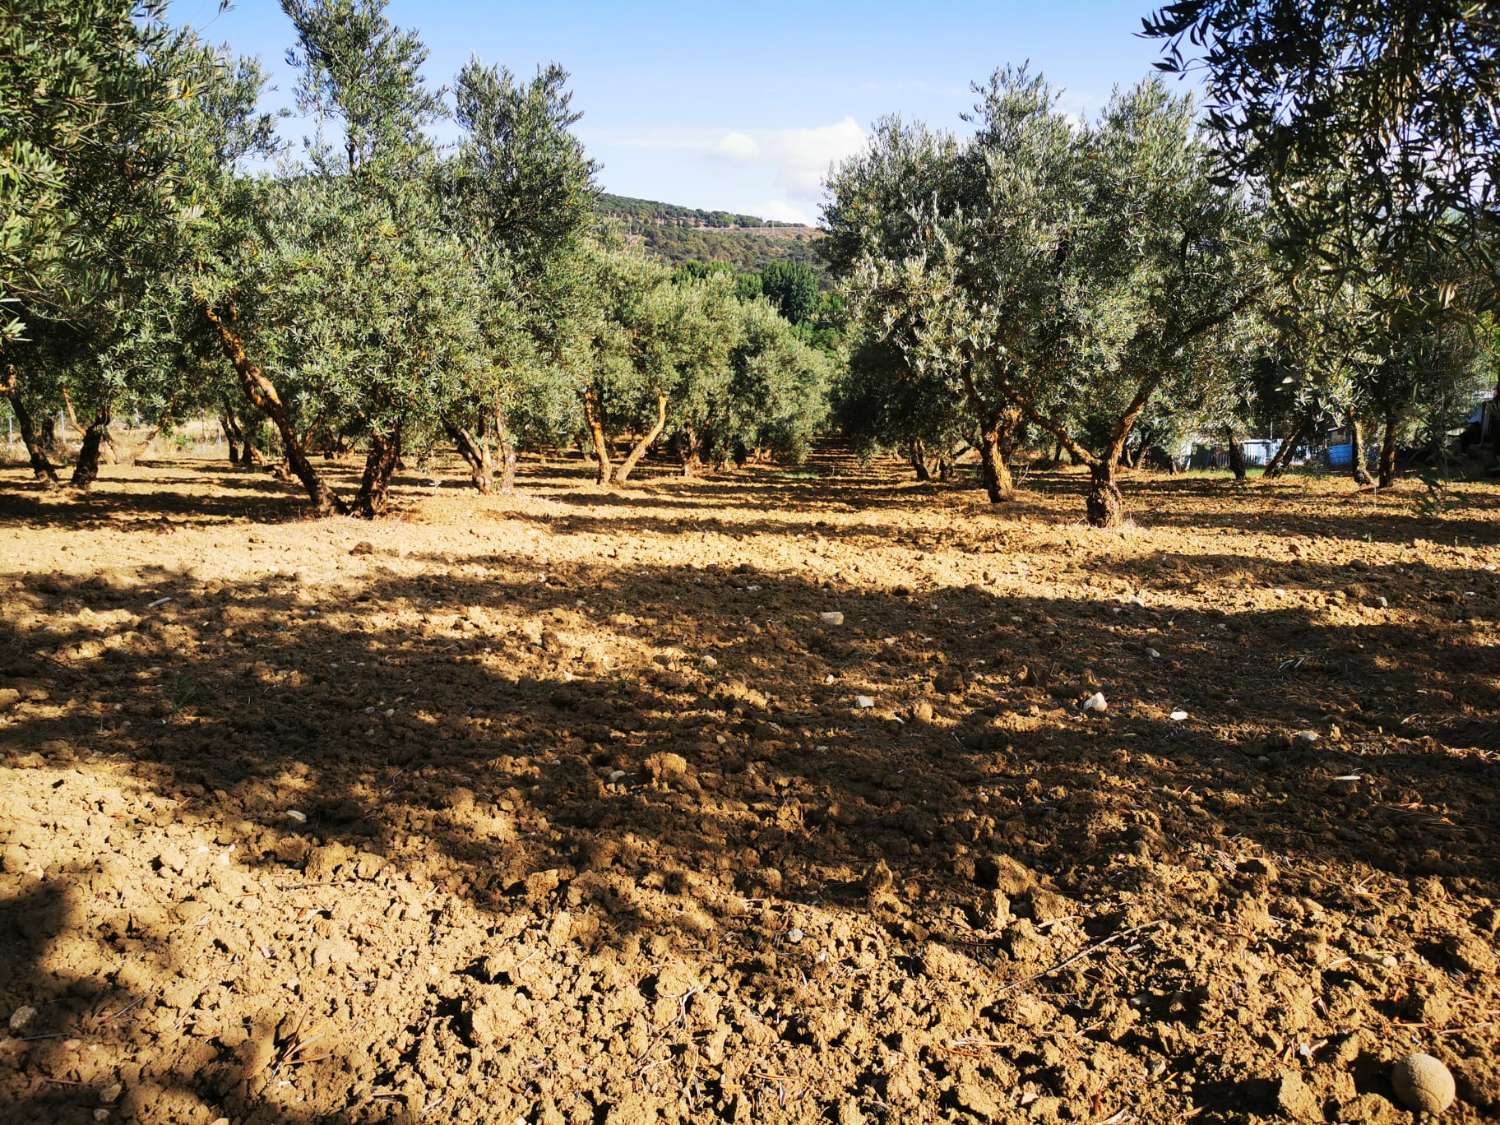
x: 570, y: 807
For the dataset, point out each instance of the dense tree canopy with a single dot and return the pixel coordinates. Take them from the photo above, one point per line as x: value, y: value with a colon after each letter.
x: 1044, y: 272
x: 1367, y: 122
x: 1027, y: 286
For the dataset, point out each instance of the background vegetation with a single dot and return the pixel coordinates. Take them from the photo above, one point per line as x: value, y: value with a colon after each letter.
x: 1116, y: 292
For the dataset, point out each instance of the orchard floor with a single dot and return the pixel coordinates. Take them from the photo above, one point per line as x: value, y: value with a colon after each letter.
x: 569, y: 807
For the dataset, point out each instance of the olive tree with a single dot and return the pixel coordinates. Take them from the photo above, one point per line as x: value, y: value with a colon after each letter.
x: 520, y: 192
x: 702, y: 328
x: 880, y: 401
x: 777, y: 398
x: 1080, y: 314
x: 356, y: 295
x: 623, y: 353
x: 889, y: 214
x: 95, y: 100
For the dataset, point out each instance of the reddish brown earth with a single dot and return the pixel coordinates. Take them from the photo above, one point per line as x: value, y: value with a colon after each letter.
x: 562, y: 808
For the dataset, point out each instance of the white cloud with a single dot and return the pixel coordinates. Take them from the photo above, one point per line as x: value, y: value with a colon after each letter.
x: 774, y: 173
x: 785, y: 211
x: 801, y: 158
x: 738, y: 146
x: 794, y: 160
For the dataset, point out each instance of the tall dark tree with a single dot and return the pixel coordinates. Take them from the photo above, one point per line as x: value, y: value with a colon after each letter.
x: 793, y: 288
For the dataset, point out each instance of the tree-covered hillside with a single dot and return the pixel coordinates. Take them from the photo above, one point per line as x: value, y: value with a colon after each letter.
x: 681, y: 234
x: 654, y: 211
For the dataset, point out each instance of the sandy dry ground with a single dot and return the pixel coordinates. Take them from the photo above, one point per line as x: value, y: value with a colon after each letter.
x: 568, y: 808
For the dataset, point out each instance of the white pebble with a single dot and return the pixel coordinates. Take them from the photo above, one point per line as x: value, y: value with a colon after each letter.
x: 298, y: 816
x: 1096, y: 702
x: 794, y: 935
x: 21, y: 1017
x: 864, y: 701
x: 1178, y: 716
x: 831, y: 617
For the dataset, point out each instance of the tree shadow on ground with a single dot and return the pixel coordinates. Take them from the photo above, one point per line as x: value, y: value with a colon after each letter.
x: 1382, y: 517
x: 512, y: 736
x: 381, y: 709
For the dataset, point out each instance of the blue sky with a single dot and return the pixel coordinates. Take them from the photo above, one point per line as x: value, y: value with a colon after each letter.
x: 742, y: 107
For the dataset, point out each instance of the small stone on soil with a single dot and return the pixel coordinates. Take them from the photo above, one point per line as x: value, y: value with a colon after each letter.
x: 831, y: 617
x: 1422, y: 1083
x: 1096, y: 702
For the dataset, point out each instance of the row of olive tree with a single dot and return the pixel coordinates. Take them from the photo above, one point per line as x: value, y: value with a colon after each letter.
x: 1102, y: 288
x: 375, y: 292
x: 1046, y: 272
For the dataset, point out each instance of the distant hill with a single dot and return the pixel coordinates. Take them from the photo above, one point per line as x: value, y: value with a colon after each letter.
x: 681, y: 234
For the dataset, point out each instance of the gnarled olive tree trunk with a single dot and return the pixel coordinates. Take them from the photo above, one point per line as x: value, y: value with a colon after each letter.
x: 41, y: 466
x: 509, y: 455
x: 1103, y: 502
x: 262, y: 395
x: 232, y: 437
x: 1277, y: 465
x: 86, y: 468
x: 993, y: 471
x: 1361, y: 470
x: 1387, y: 470
x: 1236, y: 455
x: 481, y: 446
x: 917, y: 457
x: 474, y: 448
x: 689, y: 451
x: 606, y: 470
x: 374, y: 494
x: 628, y: 465
x: 241, y: 439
